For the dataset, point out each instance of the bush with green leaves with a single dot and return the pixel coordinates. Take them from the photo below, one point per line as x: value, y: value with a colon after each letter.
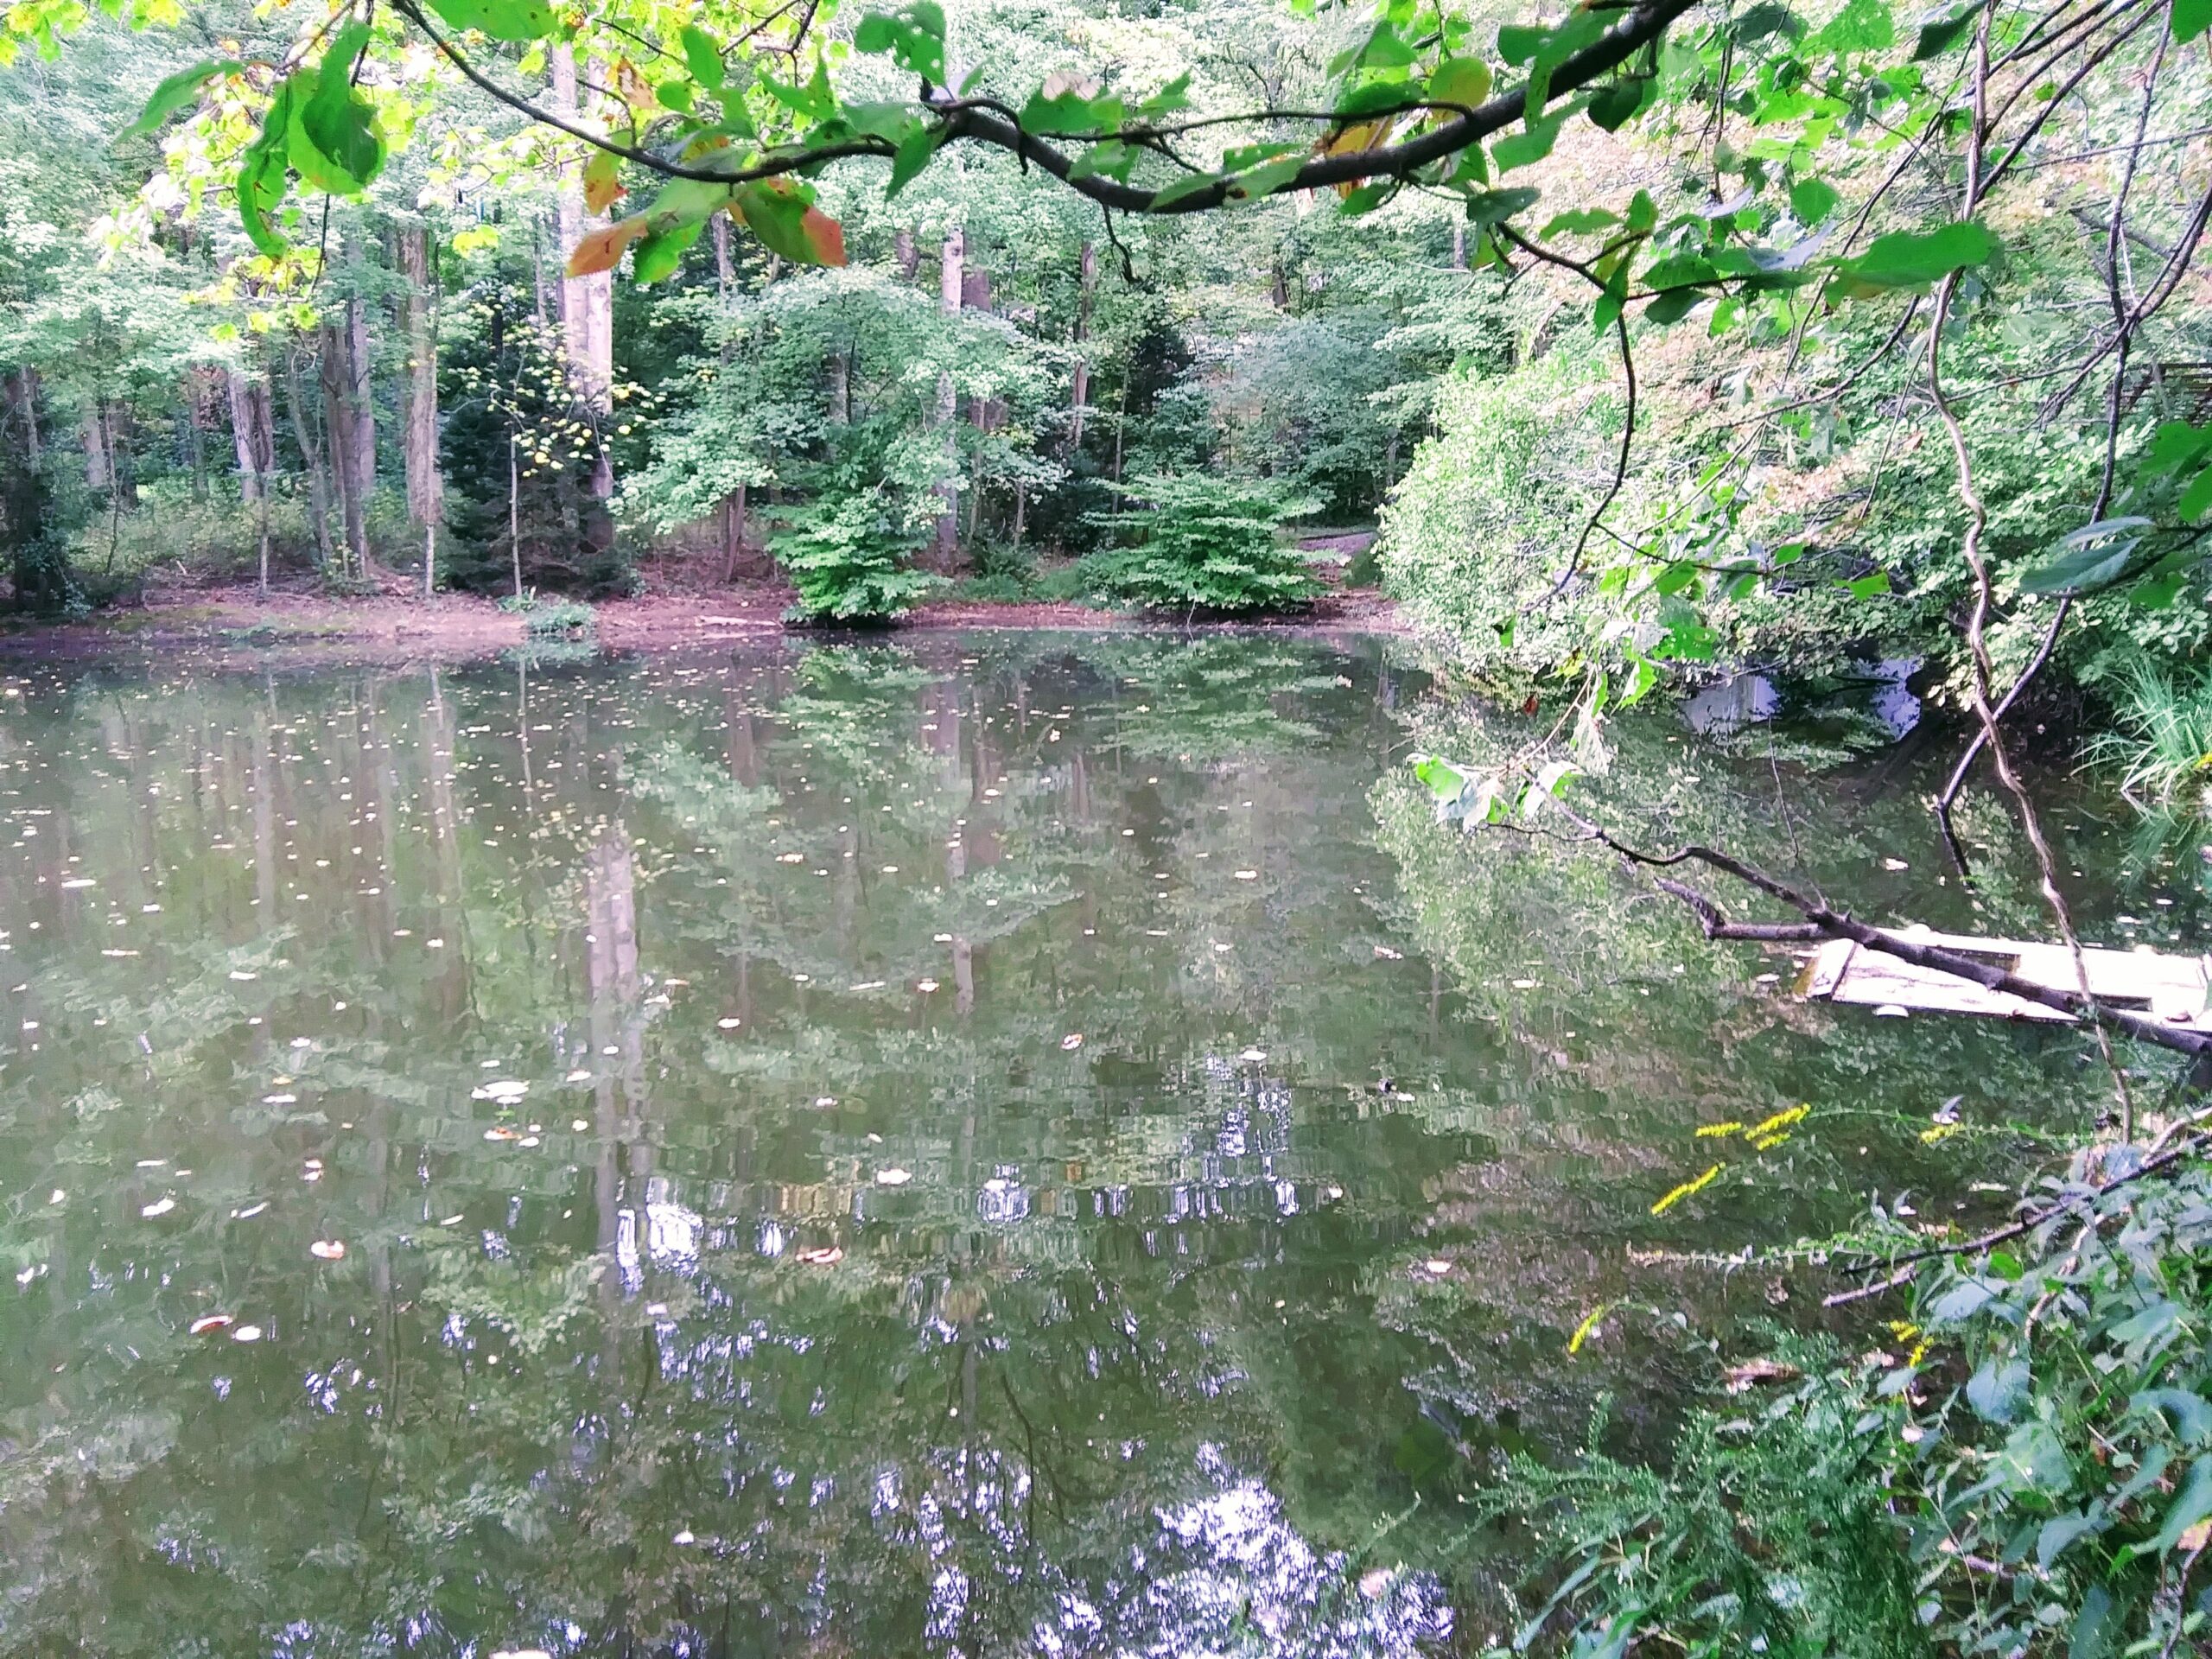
x: 2024, y: 1469
x: 847, y: 557
x: 1212, y: 545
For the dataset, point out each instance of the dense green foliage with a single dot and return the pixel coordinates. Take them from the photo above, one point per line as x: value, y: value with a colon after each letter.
x: 1662, y: 340
x: 1212, y: 544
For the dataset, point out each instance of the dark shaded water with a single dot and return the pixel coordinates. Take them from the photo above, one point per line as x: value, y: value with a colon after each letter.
x: 988, y: 1146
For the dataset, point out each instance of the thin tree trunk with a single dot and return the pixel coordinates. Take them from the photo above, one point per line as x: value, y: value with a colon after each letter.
x: 1458, y: 244
x: 23, y: 399
x: 245, y: 434
x: 733, y: 532
x: 841, y: 385
x: 195, y: 432
x: 345, y: 445
x: 1079, y: 393
x: 425, y: 485
x: 99, y: 466
x: 586, y: 313
x: 906, y: 254
x: 358, y: 363
x: 311, y: 454
x: 514, y: 508
x: 949, y: 273
x: 724, y: 272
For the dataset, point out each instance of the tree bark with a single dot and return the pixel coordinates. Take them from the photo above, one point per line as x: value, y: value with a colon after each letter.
x: 251, y: 437
x: 587, y: 311
x: 195, y: 429
x: 359, y: 456
x: 99, y: 466
x: 733, y: 532
x: 311, y: 456
x: 23, y: 404
x: 425, y: 484
x: 951, y: 281
x: 725, y: 271
x: 908, y: 256
x: 344, y: 444
x: 1079, y: 393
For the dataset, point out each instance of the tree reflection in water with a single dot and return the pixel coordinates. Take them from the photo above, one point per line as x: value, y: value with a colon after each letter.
x: 1001, y: 1146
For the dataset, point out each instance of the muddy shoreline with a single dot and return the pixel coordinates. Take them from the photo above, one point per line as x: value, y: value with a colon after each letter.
x: 239, y: 622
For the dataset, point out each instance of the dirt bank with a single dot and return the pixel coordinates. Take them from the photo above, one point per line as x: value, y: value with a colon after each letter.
x: 452, y: 627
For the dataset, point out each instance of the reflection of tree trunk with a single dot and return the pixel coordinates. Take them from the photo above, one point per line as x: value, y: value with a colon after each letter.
x: 419, y: 305
x: 264, y: 825
x: 311, y: 456
x: 445, y: 819
x: 611, y: 974
x: 739, y: 750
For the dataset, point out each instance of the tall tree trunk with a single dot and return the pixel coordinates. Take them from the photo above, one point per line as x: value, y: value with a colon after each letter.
x: 1079, y: 393
x: 100, y: 465
x: 345, y: 445
x: 311, y: 456
x: 950, y: 271
x: 725, y: 271
x: 733, y: 532
x: 908, y: 256
x: 841, y: 385
x: 359, y: 363
x: 586, y: 313
x: 250, y: 436
x: 195, y: 431
x: 22, y: 407
x: 425, y: 486
x: 1458, y: 244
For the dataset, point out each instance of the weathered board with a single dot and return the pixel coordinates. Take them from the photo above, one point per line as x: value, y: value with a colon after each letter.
x: 2174, y: 990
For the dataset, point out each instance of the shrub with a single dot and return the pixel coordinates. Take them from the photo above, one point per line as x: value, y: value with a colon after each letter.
x: 562, y: 620
x: 1210, y: 544
x: 2029, y: 1474
x: 846, y: 558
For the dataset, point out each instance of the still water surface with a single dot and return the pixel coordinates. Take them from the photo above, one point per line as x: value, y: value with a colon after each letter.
x: 986, y: 1145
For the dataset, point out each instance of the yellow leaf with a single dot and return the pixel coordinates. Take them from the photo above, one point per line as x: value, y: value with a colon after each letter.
x: 1360, y: 136
x: 601, y: 187
x: 1465, y: 81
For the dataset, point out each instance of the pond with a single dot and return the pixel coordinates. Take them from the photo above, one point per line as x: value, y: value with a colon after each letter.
x: 992, y: 1144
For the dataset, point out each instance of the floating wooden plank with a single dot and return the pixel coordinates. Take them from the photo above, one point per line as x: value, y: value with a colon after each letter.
x: 2175, y: 990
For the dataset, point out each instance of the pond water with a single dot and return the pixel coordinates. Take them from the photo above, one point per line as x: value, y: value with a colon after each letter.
x: 983, y: 1145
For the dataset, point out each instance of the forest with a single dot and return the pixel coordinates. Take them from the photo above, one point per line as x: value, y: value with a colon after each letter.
x: 1622, y: 361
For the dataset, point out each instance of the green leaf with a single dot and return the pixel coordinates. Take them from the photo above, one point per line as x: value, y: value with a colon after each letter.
x: 262, y: 176
x: 2189, y: 18
x: 1643, y: 214
x: 1533, y: 143
x: 1445, y: 780
x: 914, y: 154
x: 913, y: 36
x: 1997, y: 1388
x: 1113, y: 159
x: 503, y: 20
x: 1190, y: 185
x: 1615, y: 105
x: 1917, y: 258
x: 1266, y: 179
x: 703, y: 58
x: 1869, y: 587
x: 1071, y: 112
x: 1518, y: 43
x: 336, y: 119
x: 1939, y: 36
x: 2191, y: 1505
x: 2198, y: 497
x: 1672, y: 306
x: 174, y: 93
x: 1580, y: 221
x: 1861, y: 26
x: 1175, y: 95
x: 1490, y: 207
x: 2175, y: 445
x: 1812, y: 200
x: 659, y: 252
